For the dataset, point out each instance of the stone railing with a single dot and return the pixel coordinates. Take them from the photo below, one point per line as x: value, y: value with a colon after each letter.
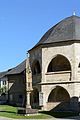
x: 58, y: 76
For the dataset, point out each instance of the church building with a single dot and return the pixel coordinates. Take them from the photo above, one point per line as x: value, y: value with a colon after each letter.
x: 53, y: 68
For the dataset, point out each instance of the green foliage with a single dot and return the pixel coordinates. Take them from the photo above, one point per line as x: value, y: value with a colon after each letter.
x: 4, y: 89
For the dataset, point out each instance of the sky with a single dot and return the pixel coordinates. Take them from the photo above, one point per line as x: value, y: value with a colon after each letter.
x: 24, y: 22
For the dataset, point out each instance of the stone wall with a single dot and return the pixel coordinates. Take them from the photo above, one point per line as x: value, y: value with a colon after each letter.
x: 69, y: 80
x: 16, y: 89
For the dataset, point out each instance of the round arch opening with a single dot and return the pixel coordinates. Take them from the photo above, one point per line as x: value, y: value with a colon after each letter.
x: 36, y: 69
x: 59, y: 94
x: 59, y: 63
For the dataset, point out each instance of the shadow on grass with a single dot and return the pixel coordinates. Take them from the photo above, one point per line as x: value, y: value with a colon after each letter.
x: 3, y: 111
x: 60, y: 114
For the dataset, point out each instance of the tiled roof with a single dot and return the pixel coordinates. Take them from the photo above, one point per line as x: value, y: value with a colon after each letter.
x: 18, y: 69
x: 66, y: 30
x: 2, y: 74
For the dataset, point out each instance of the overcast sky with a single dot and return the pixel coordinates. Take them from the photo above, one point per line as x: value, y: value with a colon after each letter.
x: 24, y: 22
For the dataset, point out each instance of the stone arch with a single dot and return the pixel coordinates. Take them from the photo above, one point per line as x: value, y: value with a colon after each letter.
x: 35, y: 98
x: 59, y: 63
x: 36, y: 69
x: 58, y: 94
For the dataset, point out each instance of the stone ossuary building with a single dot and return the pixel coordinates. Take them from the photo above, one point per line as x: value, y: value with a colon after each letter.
x: 53, y: 70
x: 50, y: 78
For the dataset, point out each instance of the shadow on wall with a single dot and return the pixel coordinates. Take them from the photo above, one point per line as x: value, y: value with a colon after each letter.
x: 60, y: 100
x: 72, y: 105
x: 17, y: 90
x: 65, y: 109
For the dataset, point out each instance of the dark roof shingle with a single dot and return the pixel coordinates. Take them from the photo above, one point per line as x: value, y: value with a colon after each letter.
x: 66, y: 30
x: 2, y: 74
x: 18, y: 69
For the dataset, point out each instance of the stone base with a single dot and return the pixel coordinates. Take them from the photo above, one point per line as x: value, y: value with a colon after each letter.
x: 31, y: 111
x: 24, y: 111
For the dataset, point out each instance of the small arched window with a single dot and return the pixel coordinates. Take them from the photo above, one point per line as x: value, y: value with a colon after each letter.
x: 36, y: 68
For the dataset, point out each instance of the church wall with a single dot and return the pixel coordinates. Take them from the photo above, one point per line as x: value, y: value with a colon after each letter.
x: 67, y: 80
x: 77, y: 57
x: 48, y: 53
x: 35, y: 54
x: 49, y: 87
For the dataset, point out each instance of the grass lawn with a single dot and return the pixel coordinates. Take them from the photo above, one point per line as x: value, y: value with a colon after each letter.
x: 11, y: 112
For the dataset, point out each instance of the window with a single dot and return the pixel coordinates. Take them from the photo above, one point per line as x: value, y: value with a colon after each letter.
x: 4, y: 82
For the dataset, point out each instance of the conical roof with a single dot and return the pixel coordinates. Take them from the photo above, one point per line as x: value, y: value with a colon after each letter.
x: 66, y: 30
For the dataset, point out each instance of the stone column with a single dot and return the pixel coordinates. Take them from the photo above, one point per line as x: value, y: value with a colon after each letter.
x: 28, y: 84
x: 28, y: 100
